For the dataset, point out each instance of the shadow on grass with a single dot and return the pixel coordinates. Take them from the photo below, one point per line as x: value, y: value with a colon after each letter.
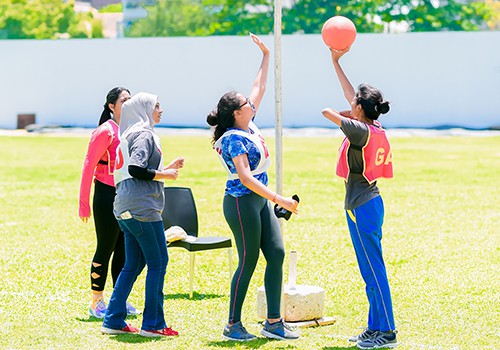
x: 135, y: 338
x: 255, y: 344
x: 89, y: 319
x: 95, y: 319
x: 252, y: 344
x: 196, y: 296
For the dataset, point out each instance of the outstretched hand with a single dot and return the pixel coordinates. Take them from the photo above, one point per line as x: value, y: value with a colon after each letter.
x: 336, y: 54
x: 260, y: 44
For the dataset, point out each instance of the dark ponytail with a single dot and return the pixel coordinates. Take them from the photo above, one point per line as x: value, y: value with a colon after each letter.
x: 372, y: 101
x: 111, y: 98
x: 223, y: 116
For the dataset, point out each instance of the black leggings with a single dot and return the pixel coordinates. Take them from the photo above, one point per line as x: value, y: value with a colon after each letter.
x: 255, y: 227
x: 109, y: 238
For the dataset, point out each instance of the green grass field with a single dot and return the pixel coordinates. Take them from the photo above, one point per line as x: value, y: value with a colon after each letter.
x: 441, y: 246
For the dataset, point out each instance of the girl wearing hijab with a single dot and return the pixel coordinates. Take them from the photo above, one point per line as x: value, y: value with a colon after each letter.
x: 139, y: 201
x: 247, y: 204
x: 99, y: 166
x: 364, y: 157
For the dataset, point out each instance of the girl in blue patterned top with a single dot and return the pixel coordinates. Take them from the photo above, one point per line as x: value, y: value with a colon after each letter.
x: 247, y: 203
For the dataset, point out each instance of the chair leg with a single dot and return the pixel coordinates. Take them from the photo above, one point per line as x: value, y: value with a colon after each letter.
x: 191, y: 272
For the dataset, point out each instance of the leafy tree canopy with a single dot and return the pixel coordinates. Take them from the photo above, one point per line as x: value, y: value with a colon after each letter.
x: 49, y: 19
x: 45, y: 19
x: 205, y: 17
x: 232, y: 17
x: 428, y: 16
x: 112, y: 8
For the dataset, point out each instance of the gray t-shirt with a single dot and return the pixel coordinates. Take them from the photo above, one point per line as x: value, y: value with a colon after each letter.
x: 142, y: 198
x: 357, y: 190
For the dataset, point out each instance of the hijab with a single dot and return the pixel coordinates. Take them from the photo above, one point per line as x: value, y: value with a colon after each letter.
x: 137, y: 113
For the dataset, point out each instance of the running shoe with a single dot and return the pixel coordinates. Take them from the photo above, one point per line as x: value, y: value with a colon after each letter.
x: 279, y: 330
x: 365, y: 335
x: 379, y: 341
x: 237, y: 332
x: 127, y: 329
x: 132, y: 311
x: 165, y: 332
x: 99, y: 309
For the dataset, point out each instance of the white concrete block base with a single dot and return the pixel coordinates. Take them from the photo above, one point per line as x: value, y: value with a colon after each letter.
x: 301, y: 303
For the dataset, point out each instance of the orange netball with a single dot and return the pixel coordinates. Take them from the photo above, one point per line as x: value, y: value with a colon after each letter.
x: 338, y: 32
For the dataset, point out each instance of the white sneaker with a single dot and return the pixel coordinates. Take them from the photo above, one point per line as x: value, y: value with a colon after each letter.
x: 132, y: 311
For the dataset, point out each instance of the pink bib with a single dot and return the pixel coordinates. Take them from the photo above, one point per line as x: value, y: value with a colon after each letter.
x: 377, y: 156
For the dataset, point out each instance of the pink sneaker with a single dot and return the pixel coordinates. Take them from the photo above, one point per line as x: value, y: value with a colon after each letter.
x: 165, y: 332
x: 127, y: 329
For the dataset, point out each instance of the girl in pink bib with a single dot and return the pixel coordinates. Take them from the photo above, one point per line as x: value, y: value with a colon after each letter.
x: 364, y: 157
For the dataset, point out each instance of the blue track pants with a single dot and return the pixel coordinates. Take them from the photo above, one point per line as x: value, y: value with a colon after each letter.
x: 365, y: 225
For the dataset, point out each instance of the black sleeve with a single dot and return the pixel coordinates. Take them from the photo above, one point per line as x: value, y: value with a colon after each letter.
x: 141, y: 173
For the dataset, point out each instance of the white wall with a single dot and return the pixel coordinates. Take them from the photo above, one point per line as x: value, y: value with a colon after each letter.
x: 431, y: 79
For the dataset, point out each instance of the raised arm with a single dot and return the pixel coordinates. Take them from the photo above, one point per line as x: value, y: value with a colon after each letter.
x: 259, y: 85
x: 333, y: 115
x: 349, y: 91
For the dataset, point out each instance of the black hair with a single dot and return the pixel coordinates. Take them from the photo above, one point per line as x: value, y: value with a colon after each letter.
x: 111, y: 97
x: 223, y: 116
x: 372, y: 101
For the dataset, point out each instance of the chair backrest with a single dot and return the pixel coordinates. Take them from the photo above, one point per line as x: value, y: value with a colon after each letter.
x: 180, y: 210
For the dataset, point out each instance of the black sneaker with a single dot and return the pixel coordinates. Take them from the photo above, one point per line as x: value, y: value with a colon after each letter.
x: 279, y: 330
x: 237, y: 332
x: 365, y: 335
x: 380, y: 340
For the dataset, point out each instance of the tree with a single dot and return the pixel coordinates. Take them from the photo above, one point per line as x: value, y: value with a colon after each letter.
x: 205, y: 17
x: 45, y: 19
x: 494, y: 22
x: 426, y: 16
x: 172, y: 18
x: 233, y: 17
x: 308, y: 16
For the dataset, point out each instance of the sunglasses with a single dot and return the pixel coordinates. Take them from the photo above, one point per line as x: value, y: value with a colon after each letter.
x: 247, y: 100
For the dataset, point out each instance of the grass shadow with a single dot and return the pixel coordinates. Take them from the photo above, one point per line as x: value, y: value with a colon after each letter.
x: 93, y: 319
x: 89, y: 319
x: 338, y: 347
x: 136, y: 338
x: 196, y: 296
x: 252, y: 344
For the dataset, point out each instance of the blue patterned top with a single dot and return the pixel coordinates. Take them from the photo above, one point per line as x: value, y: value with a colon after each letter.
x: 236, y: 145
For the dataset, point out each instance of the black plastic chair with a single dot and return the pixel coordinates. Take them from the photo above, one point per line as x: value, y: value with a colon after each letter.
x: 180, y: 210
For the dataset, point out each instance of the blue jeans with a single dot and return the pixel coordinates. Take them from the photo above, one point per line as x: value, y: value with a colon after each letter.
x: 144, y: 245
x: 365, y: 225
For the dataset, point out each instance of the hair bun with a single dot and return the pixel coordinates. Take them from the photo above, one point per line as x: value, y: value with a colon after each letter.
x: 383, y: 107
x: 212, y: 118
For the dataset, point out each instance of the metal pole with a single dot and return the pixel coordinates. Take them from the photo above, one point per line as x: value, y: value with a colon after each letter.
x: 277, y: 100
x: 278, y: 114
